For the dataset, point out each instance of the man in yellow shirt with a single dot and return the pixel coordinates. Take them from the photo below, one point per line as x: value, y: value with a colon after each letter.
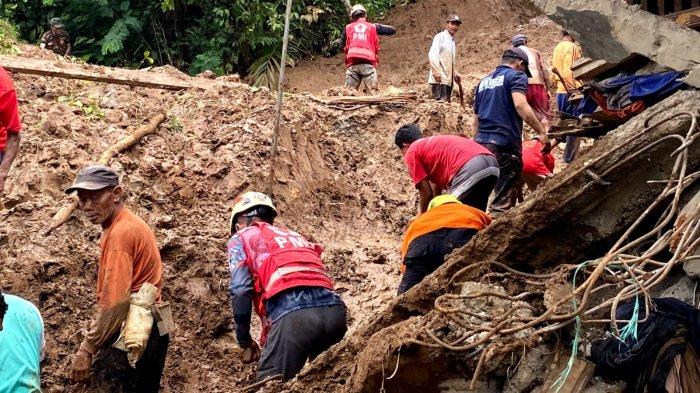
x: 565, y: 54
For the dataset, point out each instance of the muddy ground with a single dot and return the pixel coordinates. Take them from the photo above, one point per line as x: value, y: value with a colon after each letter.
x: 340, y: 181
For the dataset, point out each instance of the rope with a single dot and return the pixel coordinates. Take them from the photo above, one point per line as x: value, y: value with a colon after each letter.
x: 280, y: 85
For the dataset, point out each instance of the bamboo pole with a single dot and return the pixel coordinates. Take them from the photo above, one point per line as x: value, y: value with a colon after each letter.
x: 64, y: 213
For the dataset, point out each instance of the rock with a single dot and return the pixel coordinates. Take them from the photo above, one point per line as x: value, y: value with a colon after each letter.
x: 622, y: 29
x: 683, y: 290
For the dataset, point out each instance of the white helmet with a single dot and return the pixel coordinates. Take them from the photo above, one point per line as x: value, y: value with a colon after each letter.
x: 247, y: 201
x: 357, y: 8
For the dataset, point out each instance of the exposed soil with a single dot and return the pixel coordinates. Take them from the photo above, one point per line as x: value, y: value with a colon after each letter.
x: 339, y: 180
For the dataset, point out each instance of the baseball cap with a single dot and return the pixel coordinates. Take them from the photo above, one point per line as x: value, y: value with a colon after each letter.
x: 518, y: 53
x: 56, y: 22
x: 454, y: 18
x: 518, y: 38
x: 94, y: 177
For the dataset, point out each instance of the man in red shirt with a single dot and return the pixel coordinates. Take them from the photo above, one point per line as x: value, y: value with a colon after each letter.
x: 361, y: 40
x: 449, y: 163
x: 10, y: 126
x: 537, y: 166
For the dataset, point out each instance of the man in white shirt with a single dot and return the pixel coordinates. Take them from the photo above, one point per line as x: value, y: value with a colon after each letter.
x: 442, y: 58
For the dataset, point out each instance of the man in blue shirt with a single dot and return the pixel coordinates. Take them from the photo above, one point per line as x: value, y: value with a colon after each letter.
x: 500, y: 106
x: 21, y: 343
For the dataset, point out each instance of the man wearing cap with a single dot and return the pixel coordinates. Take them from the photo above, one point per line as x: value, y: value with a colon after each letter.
x: 56, y: 38
x: 537, y: 84
x: 280, y: 273
x: 500, y: 106
x: 10, y: 127
x: 442, y: 57
x: 129, y: 258
x: 448, y: 224
x: 361, y: 40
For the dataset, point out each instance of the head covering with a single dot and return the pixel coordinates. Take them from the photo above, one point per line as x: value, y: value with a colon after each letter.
x: 356, y: 9
x: 518, y: 53
x: 94, y: 177
x: 56, y: 22
x: 518, y: 39
x: 454, y: 18
x: 442, y: 200
x: 248, y: 201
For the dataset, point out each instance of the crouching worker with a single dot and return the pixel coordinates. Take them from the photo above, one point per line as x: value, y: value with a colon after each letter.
x: 129, y: 261
x: 448, y: 224
x: 281, y: 273
x: 537, y: 166
x: 21, y: 345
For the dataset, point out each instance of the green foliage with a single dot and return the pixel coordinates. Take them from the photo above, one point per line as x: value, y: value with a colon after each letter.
x: 8, y: 38
x: 224, y: 36
x: 90, y: 108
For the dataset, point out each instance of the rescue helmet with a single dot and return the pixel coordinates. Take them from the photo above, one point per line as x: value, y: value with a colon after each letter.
x: 56, y: 22
x: 249, y: 201
x: 442, y: 200
x: 357, y: 9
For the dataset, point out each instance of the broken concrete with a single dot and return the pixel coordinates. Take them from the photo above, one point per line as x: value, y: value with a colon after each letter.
x: 611, y: 30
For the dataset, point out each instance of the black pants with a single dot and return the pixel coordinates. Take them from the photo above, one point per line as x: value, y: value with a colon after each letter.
x: 299, y: 336
x: 416, y: 272
x: 112, y: 373
x: 478, y: 195
x: 510, y: 160
x: 441, y: 92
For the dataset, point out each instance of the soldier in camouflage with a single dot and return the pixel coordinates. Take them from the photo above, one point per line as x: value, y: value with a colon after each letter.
x: 56, y: 39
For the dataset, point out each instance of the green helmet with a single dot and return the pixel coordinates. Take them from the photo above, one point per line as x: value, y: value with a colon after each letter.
x: 56, y: 22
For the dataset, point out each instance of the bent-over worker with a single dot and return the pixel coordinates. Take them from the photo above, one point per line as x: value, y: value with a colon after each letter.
x: 129, y: 259
x: 361, y: 40
x: 281, y: 273
x: 537, y: 166
x: 449, y: 163
x: 10, y: 127
x: 442, y: 57
x: 448, y: 224
x: 21, y: 345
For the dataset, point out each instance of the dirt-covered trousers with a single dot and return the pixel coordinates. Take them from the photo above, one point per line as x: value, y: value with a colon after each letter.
x: 510, y: 161
x: 112, y: 373
x: 299, y: 336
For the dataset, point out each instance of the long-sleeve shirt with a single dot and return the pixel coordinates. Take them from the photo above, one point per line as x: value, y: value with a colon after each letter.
x: 442, y: 57
x: 381, y: 30
x: 129, y: 258
x: 242, y: 290
x: 563, y: 57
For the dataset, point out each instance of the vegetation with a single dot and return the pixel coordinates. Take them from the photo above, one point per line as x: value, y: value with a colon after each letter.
x: 224, y: 36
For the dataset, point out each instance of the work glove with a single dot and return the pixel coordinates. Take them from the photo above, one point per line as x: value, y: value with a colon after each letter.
x: 250, y: 354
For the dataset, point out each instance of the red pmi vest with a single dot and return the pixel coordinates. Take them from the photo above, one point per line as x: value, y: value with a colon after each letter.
x: 291, y: 261
x: 361, y: 43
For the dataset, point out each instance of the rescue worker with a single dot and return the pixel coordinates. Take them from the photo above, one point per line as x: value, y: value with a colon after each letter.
x: 10, y: 127
x: 500, y: 106
x: 361, y: 40
x: 537, y: 94
x: 21, y: 345
x: 537, y: 166
x: 565, y: 54
x: 448, y: 224
x: 442, y: 57
x: 449, y: 163
x: 129, y: 259
x: 56, y: 39
x: 281, y: 274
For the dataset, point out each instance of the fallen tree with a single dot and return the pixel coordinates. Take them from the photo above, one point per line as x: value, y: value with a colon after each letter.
x: 575, y: 217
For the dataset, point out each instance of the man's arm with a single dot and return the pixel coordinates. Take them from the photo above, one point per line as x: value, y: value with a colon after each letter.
x: 241, y: 290
x: 528, y: 115
x: 425, y: 194
x: 11, y: 149
x: 385, y: 29
x: 475, y: 124
x: 434, y: 58
x: 68, y: 49
x: 544, y: 69
x: 9, y: 118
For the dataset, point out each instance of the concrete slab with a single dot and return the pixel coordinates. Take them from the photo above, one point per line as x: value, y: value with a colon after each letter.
x: 611, y: 30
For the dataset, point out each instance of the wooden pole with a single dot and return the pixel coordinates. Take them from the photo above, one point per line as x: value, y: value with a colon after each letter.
x: 280, y: 85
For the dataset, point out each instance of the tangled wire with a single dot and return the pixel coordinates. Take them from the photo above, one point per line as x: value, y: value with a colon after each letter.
x: 629, y: 264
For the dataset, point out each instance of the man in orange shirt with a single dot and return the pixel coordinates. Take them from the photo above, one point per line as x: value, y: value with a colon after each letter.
x: 129, y: 258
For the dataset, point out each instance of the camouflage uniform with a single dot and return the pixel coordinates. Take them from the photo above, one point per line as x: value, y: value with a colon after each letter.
x: 58, y: 43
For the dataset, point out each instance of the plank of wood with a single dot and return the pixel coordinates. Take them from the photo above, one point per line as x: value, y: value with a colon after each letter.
x: 368, y: 100
x: 62, y: 69
x: 581, y: 372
